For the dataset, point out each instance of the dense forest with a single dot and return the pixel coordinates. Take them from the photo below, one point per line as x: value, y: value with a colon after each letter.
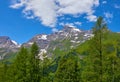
x: 95, y: 60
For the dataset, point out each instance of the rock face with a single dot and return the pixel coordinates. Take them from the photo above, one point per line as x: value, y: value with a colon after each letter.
x: 7, y: 46
x: 6, y: 42
x: 63, y: 40
x: 67, y: 38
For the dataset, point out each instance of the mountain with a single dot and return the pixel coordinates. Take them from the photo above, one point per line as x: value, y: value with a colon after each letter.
x: 62, y: 40
x: 6, y: 42
x: 7, y: 46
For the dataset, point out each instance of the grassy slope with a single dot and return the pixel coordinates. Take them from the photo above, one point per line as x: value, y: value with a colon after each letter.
x: 111, y: 38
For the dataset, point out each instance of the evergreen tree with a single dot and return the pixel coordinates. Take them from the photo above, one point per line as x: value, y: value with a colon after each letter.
x: 94, y: 61
x: 68, y: 69
x: 26, y: 67
x: 116, y: 63
x: 34, y: 70
x: 111, y: 62
x: 45, y: 63
x: 18, y: 70
x: 3, y: 72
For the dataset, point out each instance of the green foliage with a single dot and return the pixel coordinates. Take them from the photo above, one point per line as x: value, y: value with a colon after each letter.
x: 18, y: 70
x: 3, y: 73
x: 102, y: 62
x: 96, y: 60
x: 68, y: 69
x: 26, y: 66
x: 34, y: 70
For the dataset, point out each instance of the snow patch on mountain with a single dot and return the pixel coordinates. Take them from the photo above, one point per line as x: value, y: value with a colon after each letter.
x: 30, y: 43
x: 59, y: 39
x: 43, y: 37
x: 14, y: 42
x: 72, y: 41
x: 41, y: 54
x: 76, y: 38
x: 76, y: 34
x: 75, y: 29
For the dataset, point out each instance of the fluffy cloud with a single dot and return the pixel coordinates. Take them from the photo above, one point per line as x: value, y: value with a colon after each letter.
x: 104, y: 2
x: 63, y: 24
x: 108, y: 16
x: 70, y: 24
x: 78, y: 23
x: 76, y: 6
x: 92, y: 18
x: 48, y: 11
x: 43, y: 10
x: 54, y: 30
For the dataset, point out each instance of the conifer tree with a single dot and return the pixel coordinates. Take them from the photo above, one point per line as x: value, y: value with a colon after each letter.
x: 3, y: 72
x: 116, y: 63
x: 18, y: 70
x: 45, y: 62
x: 68, y: 69
x: 94, y: 61
x: 34, y: 70
x: 111, y: 61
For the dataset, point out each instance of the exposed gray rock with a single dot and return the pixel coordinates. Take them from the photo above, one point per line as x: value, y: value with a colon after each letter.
x: 7, y: 46
x: 68, y: 35
x: 65, y: 39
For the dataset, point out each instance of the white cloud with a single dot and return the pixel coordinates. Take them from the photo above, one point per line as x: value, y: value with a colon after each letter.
x: 70, y: 24
x: 62, y: 24
x: 48, y: 11
x: 54, y: 30
x: 78, y: 23
x: 104, y: 2
x: 67, y: 23
x: 108, y: 16
x: 18, y: 4
x: 43, y: 10
x: 92, y: 18
x: 76, y: 6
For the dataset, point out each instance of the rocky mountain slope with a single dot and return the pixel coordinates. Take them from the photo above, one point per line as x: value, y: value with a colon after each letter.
x: 65, y: 39
x: 7, y: 46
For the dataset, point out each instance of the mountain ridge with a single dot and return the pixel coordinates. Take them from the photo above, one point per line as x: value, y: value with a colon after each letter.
x: 65, y: 39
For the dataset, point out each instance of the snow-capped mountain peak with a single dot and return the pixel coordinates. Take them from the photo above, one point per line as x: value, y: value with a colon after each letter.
x: 14, y: 42
x: 6, y: 42
x: 67, y: 38
x: 44, y: 37
x: 68, y: 35
x: 76, y: 29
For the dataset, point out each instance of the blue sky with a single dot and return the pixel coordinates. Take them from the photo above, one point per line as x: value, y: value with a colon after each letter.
x: 21, y: 20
